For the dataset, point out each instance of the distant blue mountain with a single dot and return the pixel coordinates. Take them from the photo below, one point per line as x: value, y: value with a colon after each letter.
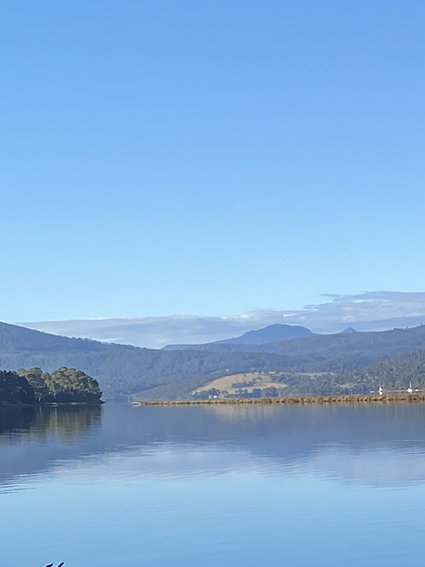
x: 269, y: 334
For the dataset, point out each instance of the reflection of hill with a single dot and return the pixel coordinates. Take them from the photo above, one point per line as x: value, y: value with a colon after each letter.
x: 357, y: 444
x: 367, y: 444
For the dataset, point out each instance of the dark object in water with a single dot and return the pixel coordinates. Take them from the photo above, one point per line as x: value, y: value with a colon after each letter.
x: 60, y: 564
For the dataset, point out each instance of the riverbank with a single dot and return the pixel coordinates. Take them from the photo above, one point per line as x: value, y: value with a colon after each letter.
x: 51, y: 404
x: 417, y: 397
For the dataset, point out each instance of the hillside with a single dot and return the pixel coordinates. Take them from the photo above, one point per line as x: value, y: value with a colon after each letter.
x: 317, y: 364
x: 350, y: 350
x: 154, y: 374
x: 122, y: 370
x: 338, y: 351
x: 397, y: 373
x: 269, y: 334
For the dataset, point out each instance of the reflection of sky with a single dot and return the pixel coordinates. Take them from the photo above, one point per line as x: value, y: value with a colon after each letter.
x: 368, y: 445
x: 370, y: 467
x: 382, y: 467
x: 179, y: 488
x: 195, y: 507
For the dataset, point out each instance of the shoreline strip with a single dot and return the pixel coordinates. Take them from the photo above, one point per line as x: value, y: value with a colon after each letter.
x: 290, y: 400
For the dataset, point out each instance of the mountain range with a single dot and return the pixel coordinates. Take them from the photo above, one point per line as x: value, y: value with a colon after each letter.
x: 126, y: 371
x: 269, y: 334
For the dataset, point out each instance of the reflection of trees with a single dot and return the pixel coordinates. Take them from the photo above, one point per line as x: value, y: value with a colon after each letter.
x: 66, y: 421
x: 16, y: 419
x: 44, y: 421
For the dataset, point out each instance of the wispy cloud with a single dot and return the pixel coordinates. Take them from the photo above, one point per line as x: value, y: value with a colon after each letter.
x: 376, y: 310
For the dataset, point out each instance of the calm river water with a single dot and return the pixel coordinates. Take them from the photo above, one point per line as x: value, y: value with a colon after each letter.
x: 213, y: 486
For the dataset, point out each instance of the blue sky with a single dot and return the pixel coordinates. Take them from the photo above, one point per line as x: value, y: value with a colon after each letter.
x: 208, y: 157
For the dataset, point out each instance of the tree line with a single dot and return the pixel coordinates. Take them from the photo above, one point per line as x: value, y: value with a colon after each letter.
x: 34, y: 386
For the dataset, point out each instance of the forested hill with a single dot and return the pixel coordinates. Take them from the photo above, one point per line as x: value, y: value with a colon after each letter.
x: 384, y: 343
x: 124, y: 370
x: 397, y: 373
x: 367, y: 346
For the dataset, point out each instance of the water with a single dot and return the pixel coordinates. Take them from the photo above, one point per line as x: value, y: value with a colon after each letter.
x: 224, y: 485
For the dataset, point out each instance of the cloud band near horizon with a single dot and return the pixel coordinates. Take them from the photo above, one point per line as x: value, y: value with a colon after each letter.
x: 368, y: 311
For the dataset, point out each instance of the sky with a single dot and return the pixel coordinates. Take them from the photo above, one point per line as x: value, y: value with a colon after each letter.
x: 207, y: 158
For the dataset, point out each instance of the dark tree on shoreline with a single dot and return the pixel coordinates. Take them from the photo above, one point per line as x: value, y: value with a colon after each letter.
x: 37, y: 387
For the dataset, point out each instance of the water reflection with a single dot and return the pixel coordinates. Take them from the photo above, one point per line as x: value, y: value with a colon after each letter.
x: 15, y: 419
x: 214, y: 486
x: 62, y: 420
x: 375, y: 445
x: 31, y: 439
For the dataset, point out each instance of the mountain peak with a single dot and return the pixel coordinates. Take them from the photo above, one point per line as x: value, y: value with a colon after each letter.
x: 270, y: 334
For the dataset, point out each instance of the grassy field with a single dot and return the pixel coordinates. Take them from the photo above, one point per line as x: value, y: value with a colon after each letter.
x: 256, y: 379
